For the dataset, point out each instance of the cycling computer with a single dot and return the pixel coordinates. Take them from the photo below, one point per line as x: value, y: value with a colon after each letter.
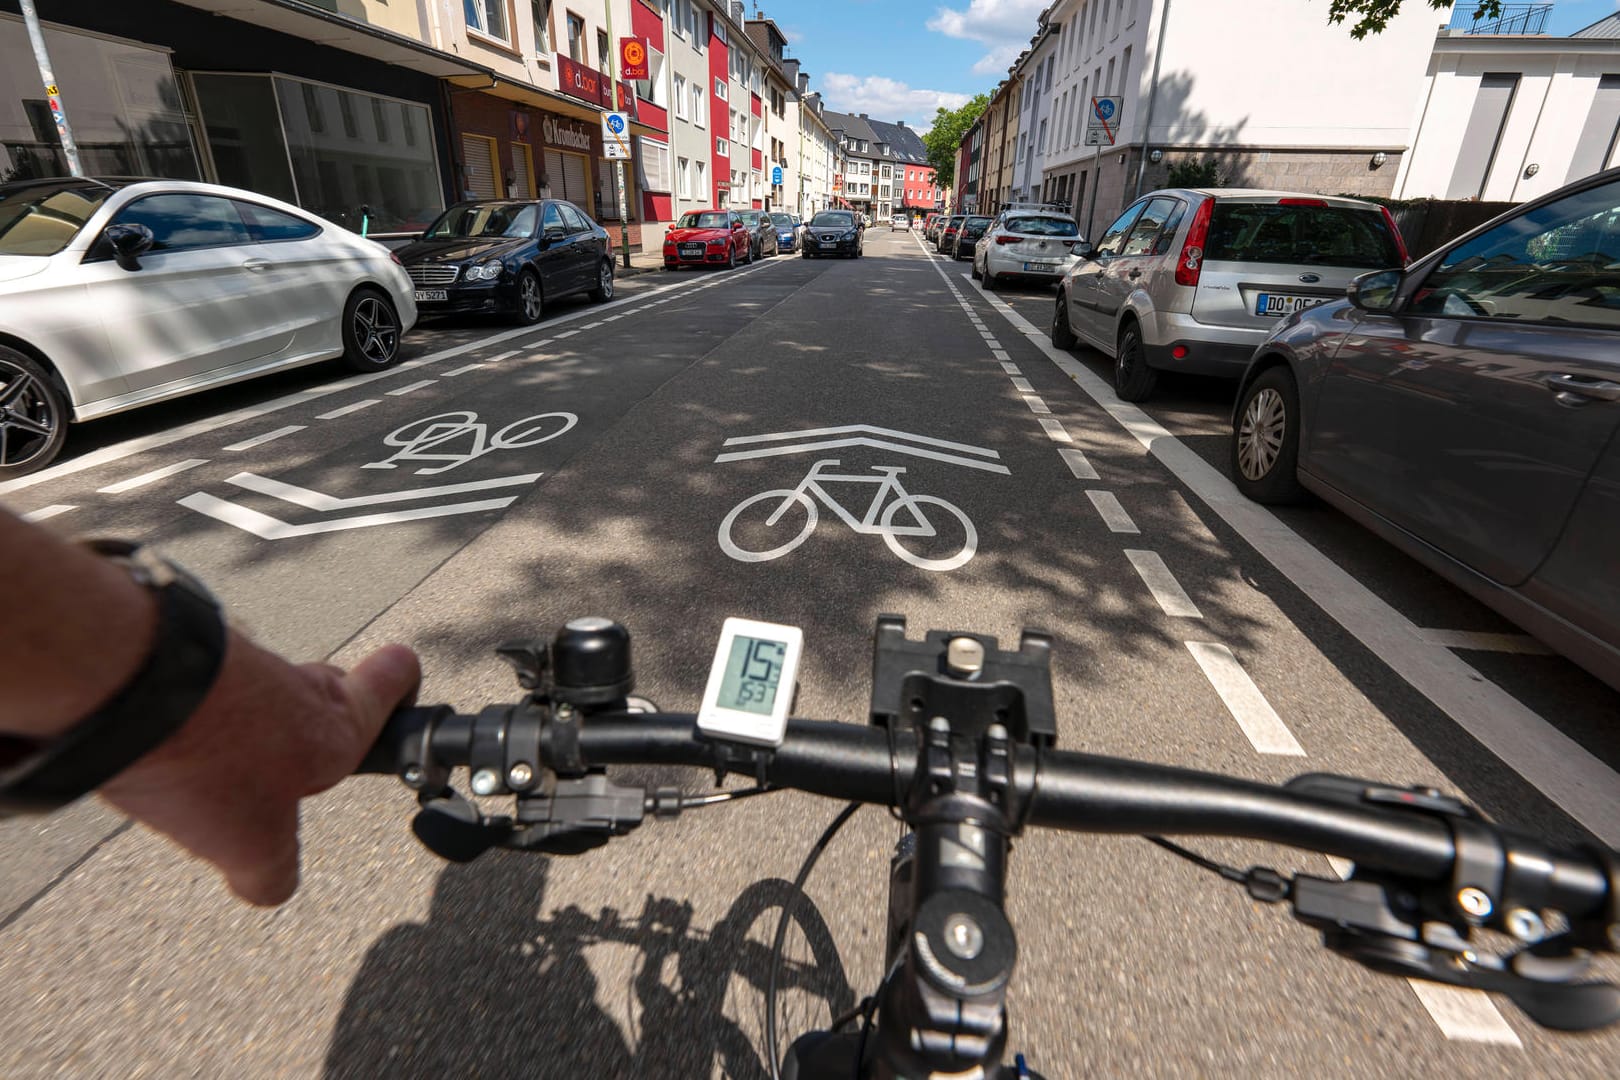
x: 751, y: 683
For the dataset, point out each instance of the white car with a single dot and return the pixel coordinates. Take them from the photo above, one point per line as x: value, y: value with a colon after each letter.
x: 118, y: 293
x: 1035, y: 245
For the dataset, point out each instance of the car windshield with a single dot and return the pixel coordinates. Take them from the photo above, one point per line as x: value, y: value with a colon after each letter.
x: 978, y: 224
x: 749, y: 217
x: 782, y: 221
x: 483, y: 220
x: 40, y: 219
x: 1299, y: 235
x: 697, y: 220
x: 1042, y: 226
x: 833, y: 219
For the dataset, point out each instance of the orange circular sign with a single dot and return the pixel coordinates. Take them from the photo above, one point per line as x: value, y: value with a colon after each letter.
x: 634, y: 54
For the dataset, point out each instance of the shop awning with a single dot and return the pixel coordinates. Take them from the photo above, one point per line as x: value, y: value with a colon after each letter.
x: 322, y: 27
x: 550, y: 100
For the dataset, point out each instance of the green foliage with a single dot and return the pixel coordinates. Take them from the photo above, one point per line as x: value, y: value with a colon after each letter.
x: 945, y: 137
x: 1196, y: 174
x: 1374, y: 15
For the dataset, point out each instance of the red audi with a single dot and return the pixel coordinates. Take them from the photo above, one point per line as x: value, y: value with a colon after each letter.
x: 707, y: 238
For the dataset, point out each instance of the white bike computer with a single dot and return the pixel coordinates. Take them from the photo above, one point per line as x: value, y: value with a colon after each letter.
x: 751, y: 683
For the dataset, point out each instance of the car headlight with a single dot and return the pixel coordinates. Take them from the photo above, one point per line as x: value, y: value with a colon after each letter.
x: 850, y: 235
x: 717, y: 243
x: 484, y: 272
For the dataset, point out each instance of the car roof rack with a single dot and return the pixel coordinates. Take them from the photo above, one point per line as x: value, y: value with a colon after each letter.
x: 1049, y: 207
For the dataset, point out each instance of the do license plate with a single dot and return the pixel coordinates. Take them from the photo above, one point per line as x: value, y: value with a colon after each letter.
x: 1278, y: 304
x: 429, y: 295
x: 691, y: 249
x: 1040, y: 264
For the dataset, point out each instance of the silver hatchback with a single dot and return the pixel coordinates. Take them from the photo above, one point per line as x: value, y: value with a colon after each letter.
x: 1194, y: 280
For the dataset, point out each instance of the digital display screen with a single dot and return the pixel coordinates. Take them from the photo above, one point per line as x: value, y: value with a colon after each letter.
x: 753, y: 672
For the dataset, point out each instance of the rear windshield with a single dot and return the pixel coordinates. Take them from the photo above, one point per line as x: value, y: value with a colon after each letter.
x: 1319, y: 235
x: 976, y: 223
x: 782, y: 220
x: 701, y: 221
x: 1043, y: 226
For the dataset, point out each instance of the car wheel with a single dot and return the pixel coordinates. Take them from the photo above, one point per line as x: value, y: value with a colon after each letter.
x: 1062, y: 333
x: 604, y: 282
x: 370, y: 331
x: 990, y: 280
x: 731, y: 257
x: 531, y: 304
x: 973, y: 270
x: 1265, y: 439
x: 1133, y: 379
x: 33, y: 415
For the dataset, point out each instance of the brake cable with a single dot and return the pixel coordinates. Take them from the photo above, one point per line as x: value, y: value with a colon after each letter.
x: 1261, y: 882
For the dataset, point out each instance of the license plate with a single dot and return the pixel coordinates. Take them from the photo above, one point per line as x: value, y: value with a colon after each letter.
x: 430, y: 295
x: 691, y: 249
x: 1278, y: 304
x: 1040, y: 264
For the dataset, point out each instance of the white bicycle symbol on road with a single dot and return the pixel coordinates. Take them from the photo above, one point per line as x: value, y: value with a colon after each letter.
x: 432, y: 439
x: 879, y: 518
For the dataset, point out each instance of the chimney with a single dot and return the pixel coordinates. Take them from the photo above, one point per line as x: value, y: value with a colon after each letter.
x: 804, y: 83
x: 738, y: 12
x: 863, y: 116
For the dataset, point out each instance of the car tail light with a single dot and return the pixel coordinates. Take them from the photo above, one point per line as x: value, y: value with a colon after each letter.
x: 1400, y: 241
x: 1004, y: 239
x: 1301, y: 202
x: 1191, y: 262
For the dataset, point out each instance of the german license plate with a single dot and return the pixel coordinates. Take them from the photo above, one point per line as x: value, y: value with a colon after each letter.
x: 691, y: 249
x: 1040, y: 264
x: 1278, y: 304
x: 430, y: 295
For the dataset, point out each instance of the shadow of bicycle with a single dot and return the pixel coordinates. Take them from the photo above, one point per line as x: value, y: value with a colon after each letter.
x: 489, y: 987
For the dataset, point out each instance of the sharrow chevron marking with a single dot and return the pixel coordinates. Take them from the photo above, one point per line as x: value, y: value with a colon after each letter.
x: 317, y: 500
x: 266, y: 527
x: 151, y: 477
x: 1163, y: 585
x: 1244, y: 700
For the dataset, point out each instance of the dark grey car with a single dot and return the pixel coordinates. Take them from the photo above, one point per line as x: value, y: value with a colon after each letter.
x: 1467, y: 409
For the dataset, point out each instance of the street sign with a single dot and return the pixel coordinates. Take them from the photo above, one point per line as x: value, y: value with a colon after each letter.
x: 776, y: 176
x: 632, y: 58
x: 616, y: 136
x: 1102, y: 123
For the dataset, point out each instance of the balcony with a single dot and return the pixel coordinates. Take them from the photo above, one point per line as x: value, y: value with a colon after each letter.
x: 1516, y: 19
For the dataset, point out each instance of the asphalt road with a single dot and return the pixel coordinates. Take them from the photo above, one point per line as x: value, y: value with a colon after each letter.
x: 578, y: 471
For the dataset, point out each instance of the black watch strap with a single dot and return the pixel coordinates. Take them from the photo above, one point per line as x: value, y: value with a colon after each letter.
x: 187, y: 653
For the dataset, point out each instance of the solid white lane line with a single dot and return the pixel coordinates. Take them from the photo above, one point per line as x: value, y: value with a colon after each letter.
x: 1244, y: 700
x: 1022, y: 386
x: 1077, y: 463
x: 1037, y: 406
x: 151, y: 477
x: 347, y: 409
x: 464, y: 368
x: 1112, y: 513
x: 411, y: 388
x: 1166, y: 590
x: 260, y: 440
x: 1484, y: 642
x: 1056, y: 431
x: 1009, y: 367
x: 1569, y: 775
x: 47, y: 512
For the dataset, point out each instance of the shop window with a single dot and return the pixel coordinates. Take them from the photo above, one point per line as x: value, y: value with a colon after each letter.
x: 237, y: 111
x: 488, y: 17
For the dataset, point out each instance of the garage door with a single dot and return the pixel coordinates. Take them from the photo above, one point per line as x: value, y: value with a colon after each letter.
x: 479, y: 155
x: 569, y: 177
x: 522, y: 172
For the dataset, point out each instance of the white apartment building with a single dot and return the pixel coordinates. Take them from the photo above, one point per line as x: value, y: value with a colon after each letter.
x: 1035, y: 69
x: 818, y: 154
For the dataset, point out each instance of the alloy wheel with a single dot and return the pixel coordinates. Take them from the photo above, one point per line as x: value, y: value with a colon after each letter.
x: 529, y: 296
x: 376, y: 330
x: 604, y: 281
x: 1260, y: 434
x: 27, y: 420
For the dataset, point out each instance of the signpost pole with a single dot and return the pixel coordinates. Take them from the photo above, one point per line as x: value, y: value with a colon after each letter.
x: 618, y: 163
x: 36, y: 37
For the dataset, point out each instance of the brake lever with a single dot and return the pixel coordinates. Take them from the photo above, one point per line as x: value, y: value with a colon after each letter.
x: 451, y: 826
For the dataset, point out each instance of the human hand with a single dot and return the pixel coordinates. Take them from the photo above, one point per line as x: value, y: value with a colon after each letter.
x: 226, y: 786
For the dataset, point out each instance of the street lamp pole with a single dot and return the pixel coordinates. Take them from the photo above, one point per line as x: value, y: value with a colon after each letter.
x: 36, y: 37
x: 613, y: 98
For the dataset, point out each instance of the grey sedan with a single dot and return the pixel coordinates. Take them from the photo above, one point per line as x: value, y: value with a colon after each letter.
x: 1467, y: 409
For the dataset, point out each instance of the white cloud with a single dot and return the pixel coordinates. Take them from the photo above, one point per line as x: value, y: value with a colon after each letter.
x: 1004, y: 27
x: 886, y: 99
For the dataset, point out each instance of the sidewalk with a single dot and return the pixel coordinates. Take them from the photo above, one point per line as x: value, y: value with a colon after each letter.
x: 641, y: 262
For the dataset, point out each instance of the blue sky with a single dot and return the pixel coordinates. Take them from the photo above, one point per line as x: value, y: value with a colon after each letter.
x: 902, y: 59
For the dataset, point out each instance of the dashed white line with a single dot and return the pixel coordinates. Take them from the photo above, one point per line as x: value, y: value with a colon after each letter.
x: 1056, y: 432
x: 47, y: 512
x: 613, y: 318
x: 260, y: 440
x: 347, y: 409
x: 411, y: 387
x: 1037, y: 406
x: 1077, y: 463
x: 1112, y: 513
x: 1166, y: 590
x: 151, y: 477
x: 1244, y: 700
x: 566, y: 334
x: 1008, y: 366
x: 514, y: 352
x: 1022, y: 386
x: 1002, y: 355
x: 591, y: 325
x: 1485, y: 642
x: 464, y: 368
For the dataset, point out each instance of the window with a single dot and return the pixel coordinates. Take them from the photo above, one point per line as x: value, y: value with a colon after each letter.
x: 487, y: 17
x: 1325, y: 235
x: 1125, y: 76
x: 267, y: 226
x: 698, y: 119
x: 1114, y: 238
x: 680, y: 15
x: 552, y: 224
x: 721, y: 92
x: 680, y: 96
x: 604, y: 51
x: 187, y: 222
x: 702, y: 186
x: 540, y: 13
x: 683, y: 178
x: 576, y: 221
x: 722, y: 147
x: 576, y: 38
x: 1556, y: 264
x: 1144, y: 238
x: 1597, y: 143
x: 651, y: 89
x: 1040, y: 139
x: 1482, y: 136
x: 653, y: 163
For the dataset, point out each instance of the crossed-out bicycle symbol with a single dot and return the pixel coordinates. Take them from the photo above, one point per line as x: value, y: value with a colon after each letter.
x: 455, y: 438
x: 883, y: 517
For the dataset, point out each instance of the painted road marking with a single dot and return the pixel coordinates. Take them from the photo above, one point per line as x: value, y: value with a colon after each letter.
x: 1036, y: 405
x: 464, y: 368
x: 347, y: 409
x: 1002, y: 355
x: 260, y: 440
x: 1077, y: 463
x: 453, y: 439
x: 151, y: 477
x: 780, y: 436
x: 1569, y: 775
x: 1483, y: 642
x: 1022, y: 386
x: 317, y: 500
x: 591, y: 325
x: 1112, y: 513
x: 1171, y: 597
x: 411, y: 387
x: 862, y: 440
x: 1008, y: 366
x: 515, y: 352
x: 1056, y: 431
x: 613, y: 318
x: 45, y: 512
x: 266, y: 527
x: 571, y: 333
x: 1244, y: 700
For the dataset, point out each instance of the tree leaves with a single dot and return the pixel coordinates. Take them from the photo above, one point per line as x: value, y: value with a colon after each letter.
x: 945, y: 137
x: 1374, y: 15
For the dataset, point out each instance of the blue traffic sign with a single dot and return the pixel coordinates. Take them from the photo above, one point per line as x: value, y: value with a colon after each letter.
x: 776, y: 176
x: 1105, y: 108
x: 615, y: 123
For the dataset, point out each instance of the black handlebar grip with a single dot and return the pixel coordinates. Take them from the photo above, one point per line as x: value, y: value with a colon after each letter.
x: 403, y: 729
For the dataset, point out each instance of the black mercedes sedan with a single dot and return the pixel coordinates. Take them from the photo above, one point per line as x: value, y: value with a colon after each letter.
x: 508, y: 257
x: 833, y: 232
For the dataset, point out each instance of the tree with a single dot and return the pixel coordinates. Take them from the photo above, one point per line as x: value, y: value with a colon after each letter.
x: 1374, y: 15
x: 1195, y: 174
x: 945, y: 137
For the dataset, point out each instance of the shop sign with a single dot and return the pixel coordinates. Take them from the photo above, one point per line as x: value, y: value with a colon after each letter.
x: 579, y: 80
x: 632, y: 58
x: 558, y: 133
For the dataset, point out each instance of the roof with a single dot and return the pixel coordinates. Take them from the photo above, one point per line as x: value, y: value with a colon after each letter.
x: 904, y: 143
x: 852, y: 126
x: 1607, y: 27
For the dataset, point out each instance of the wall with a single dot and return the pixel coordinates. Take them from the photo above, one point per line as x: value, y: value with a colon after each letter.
x: 720, y: 124
x: 400, y: 16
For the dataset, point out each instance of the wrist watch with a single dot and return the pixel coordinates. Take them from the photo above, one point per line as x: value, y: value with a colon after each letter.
x: 188, y: 650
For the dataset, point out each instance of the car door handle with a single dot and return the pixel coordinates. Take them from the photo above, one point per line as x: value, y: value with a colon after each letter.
x: 257, y: 266
x: 1602, y: 389
x: 1134, y: 274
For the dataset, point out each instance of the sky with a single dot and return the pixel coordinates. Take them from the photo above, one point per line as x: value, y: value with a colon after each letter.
x: 903, y: 59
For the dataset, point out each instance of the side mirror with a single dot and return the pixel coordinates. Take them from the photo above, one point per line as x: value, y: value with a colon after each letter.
x: 129, y: 243
x: 552, y: 236
x: 1375, y: 292
x: 1084, y: 249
